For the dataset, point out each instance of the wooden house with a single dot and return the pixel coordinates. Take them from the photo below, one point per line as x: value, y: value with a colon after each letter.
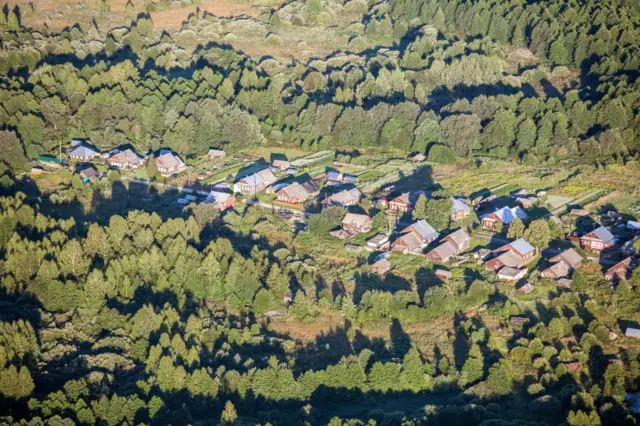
x: 563, y: 264
x: 89, y: 174
x: 293, y: 194
x: 504, y: 215
x: 83, y: 153
x: 460, y: 210
x: 378, y: 241
x: 406, y: 202
x: 514, y: 255
x: 451, y: 245
x: 215, y: 153
x: 415, y: 238
x: 357, y: 223
x: 622, y: 270
x: 381, y: 267
x: 346, y: 198
x: 169, y: 164
x: 598, y: 240
x: 126, y: 159
x: 254, y: 183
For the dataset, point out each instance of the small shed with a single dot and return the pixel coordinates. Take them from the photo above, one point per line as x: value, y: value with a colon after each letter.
x: 526, y: 289
x: 353, y: 248
x: 511, y: 274
x: 443, y: 274
x: 634, y: 333
x: 381, y: 267
x: 564, y: 282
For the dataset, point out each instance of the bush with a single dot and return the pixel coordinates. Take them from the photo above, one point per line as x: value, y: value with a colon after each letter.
x: 441, y: 154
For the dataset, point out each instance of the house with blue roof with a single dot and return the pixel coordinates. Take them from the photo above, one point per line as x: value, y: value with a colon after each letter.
x: 460, y: 210
x: 505, y: 215
x: 252, y: 184
x: 598, y: 240
x: 514, y: 255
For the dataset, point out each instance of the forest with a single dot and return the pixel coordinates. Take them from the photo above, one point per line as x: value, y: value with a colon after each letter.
x: 114, y: 315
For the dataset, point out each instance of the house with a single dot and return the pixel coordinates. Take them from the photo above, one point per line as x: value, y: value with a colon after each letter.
x: 294, y: 194
x: 527, y: 202
x: 633, y: 226
x: 381, y: 267
x: 563, y: 264
x: 83, y: 153
x: 423, y: 230
x: 222, y: 200
x: 451, y: 245
x: 89, y: 175
x: 622, y: 270
x: 377, y: 241
x: 405, y: 202
x: 346, y: 198
x: 443, y: 274
x: 352, y: 248
x: 252, y: 184
x: 504, y: 215
x: 169, y: 164
x: 281, y: 164
x: 357, y: 223
x: 511, y: 274
x: 598, y: 240
x: 460, y: 210
x: 634, y: 333
x: 526, y: 289
x: 418, y: 158
x: 126, y: 159
x: 414, y: 238
x: 341, y: 234
x: 215, y: 153
x: 292, y: 171
x: 334, y: 177
x: 564, y: 282
x: 514, y: 255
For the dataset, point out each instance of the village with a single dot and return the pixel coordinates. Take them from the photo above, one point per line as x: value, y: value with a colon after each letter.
x: 482, y: 228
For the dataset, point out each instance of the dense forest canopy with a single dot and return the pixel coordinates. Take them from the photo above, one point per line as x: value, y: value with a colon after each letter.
x: 473, y: 94
x: 113, y: 315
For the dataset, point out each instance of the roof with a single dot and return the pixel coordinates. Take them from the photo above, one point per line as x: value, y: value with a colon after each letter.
x: 89, y: 172
x: 346, y: 196
x: 460, y: 237
x: 411, y: 240
x: 446, y: 250
x: 635, y: 225
x: 378, y: 239
x: 382, y: 265
x: 632, y: 332
x: 295, y: 190
x: 280, y: 163
x: 507, y: 215
x: 522, y: 246
x: 352, y: 247
x: 509, y: 258
x: 126, y: 156
x: 443, y: 273
x: 168, y: 160
x: 459, y: 205
x: 508, y: 271
x: 570, y: 256
x: 83, y: 151
x: 603, y: 235
x: 526, y: 289
x: 217, y: 197
x: 560, y: 269
x: 265, y: 176
x: 334, y: 175
x: 310, y: 186
x: 215, y: 152
x: 356, y: 219
x: 424, y: 229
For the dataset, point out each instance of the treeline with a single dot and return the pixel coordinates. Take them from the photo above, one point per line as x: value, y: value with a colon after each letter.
x: 151, y: 320
x: 448, y: 98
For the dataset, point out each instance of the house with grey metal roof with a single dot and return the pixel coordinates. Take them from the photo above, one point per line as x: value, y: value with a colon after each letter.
x: 598, y: 239
x: 460, y: 209
x: 126, y: 159
x: 515, y: 255
x: 504, y: 215
x: 83, y: 153
x: 252, y: 184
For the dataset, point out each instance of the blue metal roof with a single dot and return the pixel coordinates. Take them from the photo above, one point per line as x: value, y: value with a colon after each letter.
x: 522, y: 246
x: 604, y: 234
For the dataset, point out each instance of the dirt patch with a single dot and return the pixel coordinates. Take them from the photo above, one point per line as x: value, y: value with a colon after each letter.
x: 602, y: 200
